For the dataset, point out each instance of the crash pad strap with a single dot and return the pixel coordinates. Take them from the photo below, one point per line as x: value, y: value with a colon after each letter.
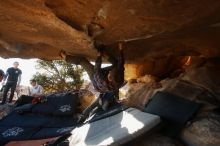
x: 113, y: 110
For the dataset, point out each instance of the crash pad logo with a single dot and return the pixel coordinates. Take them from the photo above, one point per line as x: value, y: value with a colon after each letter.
x: 63, y: 130
x: 15, y: 131
x: 65, y: 108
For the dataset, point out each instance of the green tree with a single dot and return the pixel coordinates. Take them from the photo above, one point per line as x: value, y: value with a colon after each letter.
x: 58, y: 75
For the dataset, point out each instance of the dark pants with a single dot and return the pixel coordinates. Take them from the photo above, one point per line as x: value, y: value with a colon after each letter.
x: 24, y: 99
x: 104, y: 101
x: 8, y: 86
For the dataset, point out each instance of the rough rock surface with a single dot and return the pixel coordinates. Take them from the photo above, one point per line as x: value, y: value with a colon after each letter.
x: 157, y: 34
x: 157, y: 140
x: 199, y: 83
x: 137, y: 92
x: 205, y: 74
x: 203, y: 132
x: 158, y: 37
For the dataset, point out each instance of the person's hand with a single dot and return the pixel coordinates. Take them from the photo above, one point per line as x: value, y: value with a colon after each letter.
x: 120, y: 46
x: 34, y: 95
x: 37, y: 95
x: 103, y: 54
x: 17, y: 87
x: 99, y: 54
x: 63, y: 54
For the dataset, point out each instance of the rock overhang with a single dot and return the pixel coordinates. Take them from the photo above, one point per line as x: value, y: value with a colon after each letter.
x: 152, y: 32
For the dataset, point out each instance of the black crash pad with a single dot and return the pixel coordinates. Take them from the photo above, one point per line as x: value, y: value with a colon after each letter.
x: 174, y: 111
x: 31, y: 125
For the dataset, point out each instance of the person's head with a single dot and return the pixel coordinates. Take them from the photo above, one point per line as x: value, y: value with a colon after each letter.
x: 110, y: 76
x: 33, y: 82
x: 15, y: 64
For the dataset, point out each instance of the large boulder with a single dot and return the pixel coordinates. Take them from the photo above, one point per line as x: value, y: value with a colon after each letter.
x: 200, y: 83
x: 205, y: 74
x: 204, y: 131
x: 156, y: 35
x: 137, y: 92
x: 156, y: 140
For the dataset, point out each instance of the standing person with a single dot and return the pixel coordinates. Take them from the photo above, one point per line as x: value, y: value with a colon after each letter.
x: 13, y: 76
x: 2, y: 74
x: 35, y: 90
x: 106, y: 80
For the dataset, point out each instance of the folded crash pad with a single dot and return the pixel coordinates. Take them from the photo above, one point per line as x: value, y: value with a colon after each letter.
x: 32, y: 125
x: 60, y: 104
x: 51, y: 118
x: 174, y: 111
x: 114, y: 130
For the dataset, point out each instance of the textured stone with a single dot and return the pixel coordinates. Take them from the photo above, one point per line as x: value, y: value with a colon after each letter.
x: 205, y: 75
x: 139, y: 92
x: 203, y: 132
x: 156, y: 140
x: 199, y: 83
x: 156, y: 34
x: 29, y: 29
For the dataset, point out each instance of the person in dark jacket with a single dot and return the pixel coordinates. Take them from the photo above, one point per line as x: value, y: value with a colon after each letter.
x: 2, y: 74
x: 13, y: 76
x: 106, y: 80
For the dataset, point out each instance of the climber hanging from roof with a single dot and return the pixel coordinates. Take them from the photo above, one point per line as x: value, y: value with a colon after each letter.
x: 106, y: 80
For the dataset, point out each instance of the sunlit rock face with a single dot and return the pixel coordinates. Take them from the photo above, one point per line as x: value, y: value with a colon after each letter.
x: 199, y: 82
x: 155, y: 33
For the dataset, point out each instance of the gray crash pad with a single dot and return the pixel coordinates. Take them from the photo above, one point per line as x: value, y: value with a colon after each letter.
x: 114, y: 130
